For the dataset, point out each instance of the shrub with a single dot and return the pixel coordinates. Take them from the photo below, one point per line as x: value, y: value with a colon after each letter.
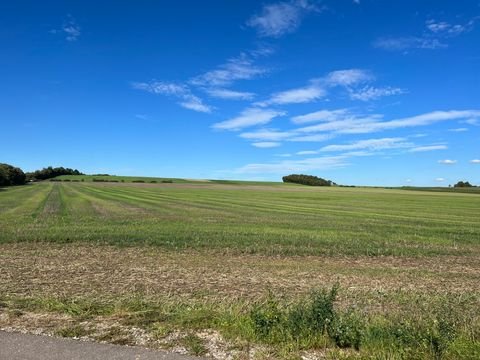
x: 347, y: 330
x: 167, y: 181
x: 138, y: 181
x: 153, y: 181
x: 308, y: 319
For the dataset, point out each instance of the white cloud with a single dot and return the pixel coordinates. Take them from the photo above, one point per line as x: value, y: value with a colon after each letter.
x: 372, y: 123
x: 434, y: 36
x: 230, y: 94
x: 443, y: 28
x: 405, y: 43
x: 348, y: 77
x: 193, y: 102
x: 370, y: 144
x: 319, y: 87
x: 368, y: 93
x: 428, y: 148
x: 278, y: 19
x: 322, y: 115
x: 475, y: 161
x: 458, y: 130
x: 311, y: 138
x: 287, y: 166
x: 266, y: 144
x: 69, y: 29
x: 439, y: 179
x: 307, y: 152
x: 266, y: 134
x: 249, y: 117
x: 240, y: 68
x: 187, y: 99
x: 473, y: 121
x: 447, y: 162
x: 295, y: 96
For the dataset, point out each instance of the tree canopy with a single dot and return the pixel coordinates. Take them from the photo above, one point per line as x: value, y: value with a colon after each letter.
x: 51, y: 172
x: 307, y: 180
x: 462, y: 184
x: 11, y: 175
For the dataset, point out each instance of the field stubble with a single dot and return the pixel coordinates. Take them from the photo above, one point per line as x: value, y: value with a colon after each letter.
x: 205, y: 256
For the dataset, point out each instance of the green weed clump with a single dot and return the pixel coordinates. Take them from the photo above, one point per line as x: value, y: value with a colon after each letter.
x: 309, y: 321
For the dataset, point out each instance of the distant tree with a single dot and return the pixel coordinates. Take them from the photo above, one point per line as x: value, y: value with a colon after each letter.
x: 11, y: 175
x: 462, y: 184
x: 307, y: 180
x: 51, y: 172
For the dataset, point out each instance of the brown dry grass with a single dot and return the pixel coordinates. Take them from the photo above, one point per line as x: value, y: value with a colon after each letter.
x: 40, y: 269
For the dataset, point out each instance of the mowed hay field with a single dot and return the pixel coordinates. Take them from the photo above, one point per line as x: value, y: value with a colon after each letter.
x: 234, y: 270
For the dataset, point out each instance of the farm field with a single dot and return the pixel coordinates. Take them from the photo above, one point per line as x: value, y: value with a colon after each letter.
x: 245, y: 270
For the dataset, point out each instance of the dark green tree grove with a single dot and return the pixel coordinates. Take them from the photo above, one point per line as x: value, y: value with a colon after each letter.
x: 307, y: 180
x: 11, y: 175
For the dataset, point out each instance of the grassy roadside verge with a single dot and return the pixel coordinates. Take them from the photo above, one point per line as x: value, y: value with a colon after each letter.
x: 272, y: 327
x: 244, y: 307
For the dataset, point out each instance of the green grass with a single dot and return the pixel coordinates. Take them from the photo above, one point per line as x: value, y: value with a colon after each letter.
x: 464, y: 190
x: 115, y: 178
x: 280, y: 219
x: 146, y: 179
x: 289, y: 234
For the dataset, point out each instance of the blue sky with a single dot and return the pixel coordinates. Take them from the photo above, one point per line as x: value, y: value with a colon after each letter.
x: 360, y: 92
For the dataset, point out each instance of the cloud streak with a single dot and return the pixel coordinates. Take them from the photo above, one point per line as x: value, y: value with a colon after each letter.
x: 180, y: 91
x: 435, y: 36
x: 249, y: 117
x: 447, y: 162
x: 278, y: 19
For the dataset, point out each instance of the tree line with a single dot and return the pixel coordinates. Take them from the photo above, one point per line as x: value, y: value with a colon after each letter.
x: 51, y: 172
x: 11, y: 175
x: 307, y: 180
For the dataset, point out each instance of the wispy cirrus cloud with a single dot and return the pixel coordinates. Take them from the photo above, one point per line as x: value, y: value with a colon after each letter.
x: 428, y: 148
x: 348, y: 77
x: 266, y: 135
x: 368, y: 93
x: 321, y: 115
x: 239, y: 68
x: 249, y: 117
x: 370, y: 144
x: 278, y: 19
x: 266, y: 144
x: 70, y: 29
x: 318, y: 88
x: 180, y: 91
x: 374, y: 122
x: 408, y: 42
x: 230, y: 94
x: 435, y: 36
x: 296, y: 96
x: 303, y: 165
x: 447, y: 162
